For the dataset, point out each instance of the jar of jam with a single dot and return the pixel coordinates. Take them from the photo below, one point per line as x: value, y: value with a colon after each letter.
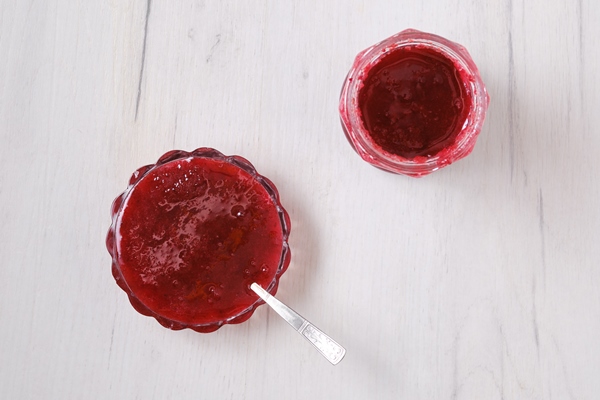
x: 413, y: 103
x: 191, y: 233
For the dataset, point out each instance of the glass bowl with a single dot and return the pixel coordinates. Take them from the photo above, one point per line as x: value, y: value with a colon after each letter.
x: 191, y: 233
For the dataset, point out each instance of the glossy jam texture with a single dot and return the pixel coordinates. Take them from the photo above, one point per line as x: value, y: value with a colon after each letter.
x: 192, y: 236
x: 413, y: 102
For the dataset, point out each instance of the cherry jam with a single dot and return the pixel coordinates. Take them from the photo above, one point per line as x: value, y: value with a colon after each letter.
x: 414, y: 102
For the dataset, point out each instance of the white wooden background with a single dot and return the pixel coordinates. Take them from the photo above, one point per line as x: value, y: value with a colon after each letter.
x: 481, y: 281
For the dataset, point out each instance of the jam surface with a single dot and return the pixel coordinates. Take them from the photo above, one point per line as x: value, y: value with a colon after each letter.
x: 413, y: 102
x: 193, y: 235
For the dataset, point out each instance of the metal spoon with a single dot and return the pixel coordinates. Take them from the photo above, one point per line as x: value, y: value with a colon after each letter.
x: 328, y: 347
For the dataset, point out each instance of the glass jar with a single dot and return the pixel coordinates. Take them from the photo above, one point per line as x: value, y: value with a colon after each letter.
x: 400, y: 105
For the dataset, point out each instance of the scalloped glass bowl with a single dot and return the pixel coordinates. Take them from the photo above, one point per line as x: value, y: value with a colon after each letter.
x: 361, y: 140
x: 136, y: 296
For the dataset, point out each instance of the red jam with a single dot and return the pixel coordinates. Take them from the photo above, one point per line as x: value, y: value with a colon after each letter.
x: 192, y: 235
x: 413, y: 102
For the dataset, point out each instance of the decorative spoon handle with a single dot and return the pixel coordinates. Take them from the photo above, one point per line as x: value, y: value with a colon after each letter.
x: 328, y: 347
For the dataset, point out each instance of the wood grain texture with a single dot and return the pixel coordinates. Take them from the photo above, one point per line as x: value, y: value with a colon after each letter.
x: 479, y: 281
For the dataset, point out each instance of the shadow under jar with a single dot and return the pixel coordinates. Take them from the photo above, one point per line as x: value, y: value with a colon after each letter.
x: 191, y: 233
x: 413, y: 103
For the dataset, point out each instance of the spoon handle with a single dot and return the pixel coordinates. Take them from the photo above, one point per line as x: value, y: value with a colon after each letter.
x: 328, y: 347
